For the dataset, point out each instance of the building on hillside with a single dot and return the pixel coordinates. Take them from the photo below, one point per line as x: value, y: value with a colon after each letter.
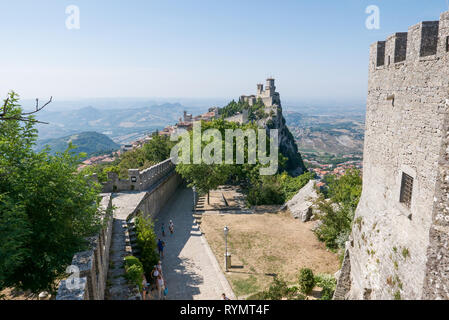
x: 269, y: 96
x: 239, y: 117
x: 399, y: 245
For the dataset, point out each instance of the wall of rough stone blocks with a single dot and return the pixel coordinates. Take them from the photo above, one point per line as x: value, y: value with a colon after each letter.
x: 405, y: 129
x: 436, y: 283
x: 138, y: 180
x: 93, y: 264
x: 158, y: 196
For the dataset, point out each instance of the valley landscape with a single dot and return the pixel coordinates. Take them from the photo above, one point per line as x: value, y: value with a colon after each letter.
x: 207, y: 150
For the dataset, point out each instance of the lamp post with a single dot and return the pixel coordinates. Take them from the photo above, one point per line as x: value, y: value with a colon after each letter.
x: 194, y: 199
x: 226, y: 231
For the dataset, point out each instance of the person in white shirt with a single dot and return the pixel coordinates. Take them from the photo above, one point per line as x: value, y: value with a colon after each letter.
x: 171, y: 227
x: 160, y: 286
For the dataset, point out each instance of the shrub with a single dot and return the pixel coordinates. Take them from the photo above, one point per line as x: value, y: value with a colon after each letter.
x: 277, y: 290
x: 277, y: 189
x: 134, y: 271
x: 306, y: 280
x: 328, y: 283
x: 266, y: 192
x: 146, y: 241
x: 291, y: 185
x: 337, y: 212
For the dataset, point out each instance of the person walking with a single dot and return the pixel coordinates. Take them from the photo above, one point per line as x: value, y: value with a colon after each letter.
x: 223, y: 297
x: 154, y: 275
x: 160, y: 286
x: 144, y: 287
x: 163, y: 230
x: 159, y: 267
x: 165, y: 288
x: 171, y: 227
x: 160, y: 248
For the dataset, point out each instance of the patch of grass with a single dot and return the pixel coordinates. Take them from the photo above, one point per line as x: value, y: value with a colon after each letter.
x: 245, y: 286
x: 397, y: 295
x: 271, y: 258
x: 405, y: 253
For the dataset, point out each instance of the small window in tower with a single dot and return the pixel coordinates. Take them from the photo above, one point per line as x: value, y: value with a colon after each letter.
x: 389, y: 60
x: 447, y: 44
x: 406, y: 190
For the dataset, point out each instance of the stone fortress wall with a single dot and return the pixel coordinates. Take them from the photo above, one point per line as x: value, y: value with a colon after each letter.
x: 397, y: 250
x: 93, y: 264
x: 159, y: 183
x: 158, y: 195
x: 138, y: 180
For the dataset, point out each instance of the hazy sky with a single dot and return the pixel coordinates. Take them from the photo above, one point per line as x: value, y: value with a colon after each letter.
x: 317, y: 50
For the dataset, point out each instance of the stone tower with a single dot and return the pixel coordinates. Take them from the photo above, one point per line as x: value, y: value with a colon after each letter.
x: 399, y: 245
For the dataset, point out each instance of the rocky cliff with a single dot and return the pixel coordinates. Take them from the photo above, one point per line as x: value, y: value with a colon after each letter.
x: 287, y: 144
x: 265, y: 109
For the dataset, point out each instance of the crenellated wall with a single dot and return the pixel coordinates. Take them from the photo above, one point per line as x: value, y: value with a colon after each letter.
x: 397, y: 251
x: 138, y: 180
x: 159, y: 182
x: 158, y: 196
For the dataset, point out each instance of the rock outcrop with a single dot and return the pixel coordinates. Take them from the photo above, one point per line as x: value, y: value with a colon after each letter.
x: 274, y: 119
x: 301, y: 205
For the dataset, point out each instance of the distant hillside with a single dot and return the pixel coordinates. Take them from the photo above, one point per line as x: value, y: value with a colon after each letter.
x: 334, y: 134
x: 122, y: 125
x: 92, y: 143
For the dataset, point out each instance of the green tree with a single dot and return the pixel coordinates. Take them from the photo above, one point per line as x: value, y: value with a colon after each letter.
x: 146, y: 241
x: 205, y: 177
x: 306, y: 280
x: 337, y: 212
x: 158, y: 148
x: 46, y: 210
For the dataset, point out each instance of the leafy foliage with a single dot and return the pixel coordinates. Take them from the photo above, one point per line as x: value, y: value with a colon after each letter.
x: 337, y: 212
x: 46, y: 209
x: 146, y: 241
x: 276, y: 189
x: 255, y: 112
x: 134, y: 271
x: 260, y: 189
x: 306, y: 280
x: 278, y: 290
x: 328, y: 283
x: 206, y: 177
x: 154, y: 151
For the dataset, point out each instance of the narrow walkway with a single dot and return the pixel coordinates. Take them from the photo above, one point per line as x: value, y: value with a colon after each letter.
x: 117, y: 286
x: 189, y: 266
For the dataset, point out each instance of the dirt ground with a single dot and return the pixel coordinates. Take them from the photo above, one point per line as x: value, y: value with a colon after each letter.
x: 13, y: 294
x: 263, y: 245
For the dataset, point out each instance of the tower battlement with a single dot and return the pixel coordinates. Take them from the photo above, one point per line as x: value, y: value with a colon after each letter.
x: 269, y: 96
x: 400, y: 245
x: 427, y: 39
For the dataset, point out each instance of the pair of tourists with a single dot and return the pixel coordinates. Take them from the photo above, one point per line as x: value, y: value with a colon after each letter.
x: 159, y: 281
x: 171, y: 227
